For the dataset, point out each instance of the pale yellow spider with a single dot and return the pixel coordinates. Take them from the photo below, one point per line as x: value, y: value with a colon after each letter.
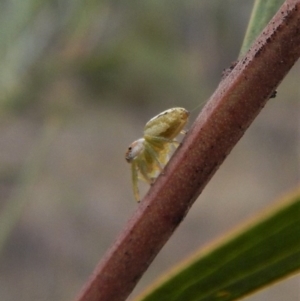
x: 149, y: 154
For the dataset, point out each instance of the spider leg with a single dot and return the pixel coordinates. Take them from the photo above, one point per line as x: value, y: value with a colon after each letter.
x: 134, y: 176
x: 154, y: 156
x: 183, y: 132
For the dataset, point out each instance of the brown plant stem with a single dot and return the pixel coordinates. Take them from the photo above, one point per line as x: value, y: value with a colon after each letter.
x: 229, y: 112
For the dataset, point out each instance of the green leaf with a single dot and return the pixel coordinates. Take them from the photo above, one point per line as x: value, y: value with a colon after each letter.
x: 260, y: 253
x: 262, y: 13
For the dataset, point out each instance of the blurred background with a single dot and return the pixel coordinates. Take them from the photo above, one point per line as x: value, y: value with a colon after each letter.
x: 78, y: 81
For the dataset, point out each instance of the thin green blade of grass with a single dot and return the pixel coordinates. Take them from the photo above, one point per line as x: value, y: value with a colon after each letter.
x: 262, y: 13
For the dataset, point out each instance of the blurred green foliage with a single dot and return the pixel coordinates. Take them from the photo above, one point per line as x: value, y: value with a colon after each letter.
x: 103, y: 51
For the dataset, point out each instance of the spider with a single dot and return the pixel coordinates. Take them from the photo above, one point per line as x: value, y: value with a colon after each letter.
x: 149, y: 155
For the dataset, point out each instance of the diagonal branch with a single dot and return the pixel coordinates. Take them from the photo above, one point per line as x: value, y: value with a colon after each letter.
x: 229, y: 112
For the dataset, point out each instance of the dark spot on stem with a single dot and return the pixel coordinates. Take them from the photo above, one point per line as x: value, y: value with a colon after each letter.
x: 273, y: 95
